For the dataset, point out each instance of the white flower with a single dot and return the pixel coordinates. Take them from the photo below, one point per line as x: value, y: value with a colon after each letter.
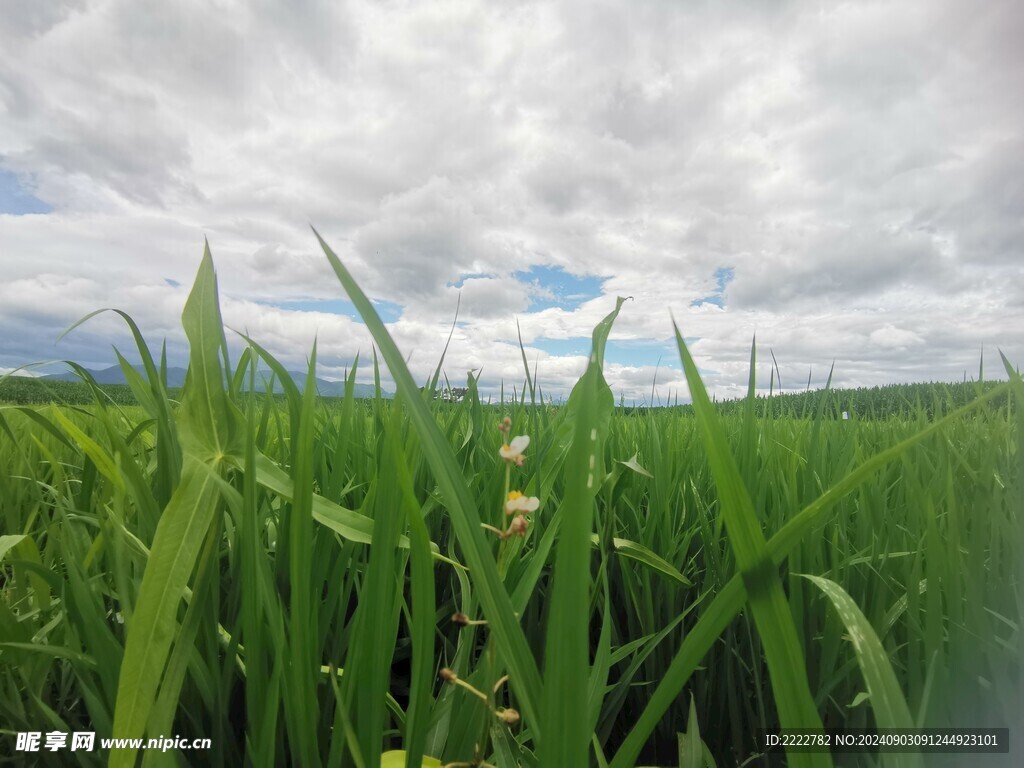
x: 514, y: 451
x: 517, y: 502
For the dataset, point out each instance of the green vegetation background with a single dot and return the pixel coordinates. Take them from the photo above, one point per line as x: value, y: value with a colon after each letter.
x: 280, y: 575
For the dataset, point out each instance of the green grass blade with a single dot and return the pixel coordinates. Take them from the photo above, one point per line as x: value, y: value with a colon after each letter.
x: 567, y: 649
x: 748, y: 433
x: 691, y: 749
x: 169, y: 457
x: 885, y: 695
x: 421, y: 586
x: 161, y: 719
x: 206, y: 418
x: 302, y: 707
x: 641, y: 554
x: 207, y: 427
x: 347, y: 523
x: 729, y: 601
x: 524, y: 676
x: 602, y: 661
x: 369, y: 659
x: 786, y: 663
x: 176, y: 545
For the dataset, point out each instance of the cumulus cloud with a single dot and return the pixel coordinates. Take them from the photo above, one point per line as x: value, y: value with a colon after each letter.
x: 857, y: 167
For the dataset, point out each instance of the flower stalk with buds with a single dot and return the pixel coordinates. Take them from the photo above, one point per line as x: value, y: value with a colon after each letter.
x: 506, y: 715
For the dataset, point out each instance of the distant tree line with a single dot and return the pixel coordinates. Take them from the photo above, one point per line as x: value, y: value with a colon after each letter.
x: 449, y: 394
x: 896, y: 400
x: 932, y: 399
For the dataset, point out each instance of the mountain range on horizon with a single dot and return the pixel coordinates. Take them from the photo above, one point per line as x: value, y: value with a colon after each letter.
x: 176, y: 378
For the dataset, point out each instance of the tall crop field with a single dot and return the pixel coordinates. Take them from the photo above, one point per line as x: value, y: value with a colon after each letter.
x: 410, y: 582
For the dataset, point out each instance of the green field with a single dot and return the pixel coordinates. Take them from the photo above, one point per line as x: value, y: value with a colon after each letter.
x: 315, y: 582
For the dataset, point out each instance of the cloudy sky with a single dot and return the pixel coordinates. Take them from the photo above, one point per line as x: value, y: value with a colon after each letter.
x: 844, y: 179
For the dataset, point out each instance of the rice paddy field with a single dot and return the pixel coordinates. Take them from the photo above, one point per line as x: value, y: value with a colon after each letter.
x: 414, y: 582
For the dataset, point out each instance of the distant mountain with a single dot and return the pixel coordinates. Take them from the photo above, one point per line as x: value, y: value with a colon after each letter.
x: 176, y: 378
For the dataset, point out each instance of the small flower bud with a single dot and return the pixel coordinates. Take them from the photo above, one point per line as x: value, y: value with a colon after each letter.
x: 449, y: 676
x: 508, y: 716
x: 460, y: 618
x: 518, y: 526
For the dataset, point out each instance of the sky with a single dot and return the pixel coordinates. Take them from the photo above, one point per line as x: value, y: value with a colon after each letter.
x: 844, y: 180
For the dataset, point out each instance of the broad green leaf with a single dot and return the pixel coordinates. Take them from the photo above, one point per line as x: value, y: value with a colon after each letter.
x: 208, y: 422
x: 175, y: 547
x: 8, y: 542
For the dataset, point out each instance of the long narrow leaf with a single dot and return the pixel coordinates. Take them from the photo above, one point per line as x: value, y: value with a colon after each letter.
x: 524, y: 676
x: 783, y: 654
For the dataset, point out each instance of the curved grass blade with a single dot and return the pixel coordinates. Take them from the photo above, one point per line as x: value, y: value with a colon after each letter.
x: 175, y: 548
x: 885, y: 695
x: 208, y: 430
x: 347, y: 523
x: 524, y: 676
x: 785, y: 659
x: 168, y: 447
x: 644, y: 556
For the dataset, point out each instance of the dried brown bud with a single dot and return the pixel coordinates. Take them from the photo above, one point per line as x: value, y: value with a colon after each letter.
x: 448, y: 676
x: 460, y: 618
x: 518, y: 526
x: 508, y: 716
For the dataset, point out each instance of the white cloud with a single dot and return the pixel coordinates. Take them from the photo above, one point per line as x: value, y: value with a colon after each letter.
x: 889, y: 337
x: 858, y: 167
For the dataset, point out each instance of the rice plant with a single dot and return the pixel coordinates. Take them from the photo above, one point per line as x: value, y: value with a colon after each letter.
x: 368, y: 582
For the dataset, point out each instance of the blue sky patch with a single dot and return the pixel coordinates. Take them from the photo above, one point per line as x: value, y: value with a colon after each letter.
x: 635, y: 353
x: 17, y: 200
x: 575, y: 345
x: 723, y: 276
x: 389, y: 312
x: 172, y: 283
x: 564, y: 290
x: 716, y: 300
